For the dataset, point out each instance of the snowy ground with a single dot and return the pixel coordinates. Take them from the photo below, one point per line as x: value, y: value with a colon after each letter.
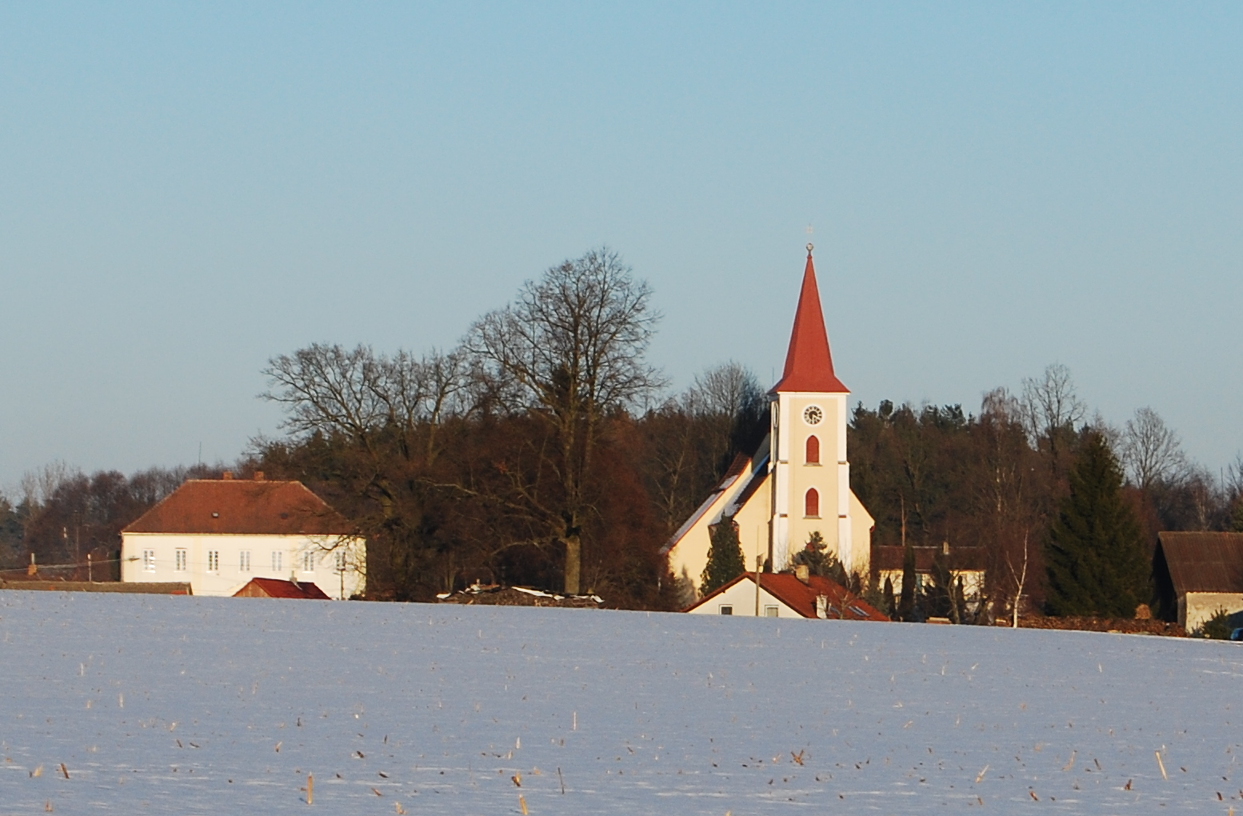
x: 197, y: 705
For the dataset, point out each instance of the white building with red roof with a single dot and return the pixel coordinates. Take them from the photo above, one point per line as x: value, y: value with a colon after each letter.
x: 798, y: 482
x: 786, y: 596
x: 219, y: 534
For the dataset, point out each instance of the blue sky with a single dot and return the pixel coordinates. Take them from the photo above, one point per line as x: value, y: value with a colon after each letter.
x: 188, y: 190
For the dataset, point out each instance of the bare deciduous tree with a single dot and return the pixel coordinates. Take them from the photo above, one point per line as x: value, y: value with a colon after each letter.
x: 1150, y: 450
x: 1050, y: 403
x: 569, y: 349
x: 1051, y: 410
x: 387, y: 411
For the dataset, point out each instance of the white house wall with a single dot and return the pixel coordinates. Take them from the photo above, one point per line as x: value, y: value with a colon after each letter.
x: 233, y: 571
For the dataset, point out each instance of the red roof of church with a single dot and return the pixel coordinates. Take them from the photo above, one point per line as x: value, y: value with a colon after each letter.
x: 240, y: 506
x: 809, y: 364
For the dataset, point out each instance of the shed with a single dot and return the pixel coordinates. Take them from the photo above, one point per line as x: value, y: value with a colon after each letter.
x: 1198, y: 574
x: 276, y: 588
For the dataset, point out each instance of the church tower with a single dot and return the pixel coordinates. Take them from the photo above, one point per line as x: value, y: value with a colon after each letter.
x: 810, y: 472
x: 798, y: 483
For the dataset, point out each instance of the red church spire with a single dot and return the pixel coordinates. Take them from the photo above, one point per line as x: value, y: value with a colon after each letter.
x: 809, y: 363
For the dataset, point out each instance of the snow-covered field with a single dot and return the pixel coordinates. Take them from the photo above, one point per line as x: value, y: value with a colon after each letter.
x: 206, y: 705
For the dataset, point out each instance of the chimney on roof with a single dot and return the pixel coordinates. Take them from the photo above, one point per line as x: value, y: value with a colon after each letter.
x: 258, y: 475
x: 227, y: 476
x: 822, y: 607
x: 803, y: 573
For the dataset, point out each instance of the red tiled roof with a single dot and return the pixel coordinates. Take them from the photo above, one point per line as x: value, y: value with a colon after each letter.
x: 240, y: 507
x: 276, y: 588
x: 801, y: 597
x: 809, y: 363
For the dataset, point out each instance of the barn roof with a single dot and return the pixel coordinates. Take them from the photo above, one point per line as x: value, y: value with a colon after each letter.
x: 240, y: 507
x: 1203, y: 562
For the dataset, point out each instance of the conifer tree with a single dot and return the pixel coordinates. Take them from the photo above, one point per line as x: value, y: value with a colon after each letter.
x: 725, y: 559
x: 906, y: 603
x: 1095, y: 554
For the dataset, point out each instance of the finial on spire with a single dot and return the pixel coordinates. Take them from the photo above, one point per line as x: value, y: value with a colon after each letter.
x: 810, y: 247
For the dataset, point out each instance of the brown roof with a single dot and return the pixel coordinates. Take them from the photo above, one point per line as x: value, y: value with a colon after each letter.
x: 130, y: 587
x: 1204, y: 562
x: 801, y: 597
x: 889, y: 557
x: 236, y: 506
x: 276, y: 588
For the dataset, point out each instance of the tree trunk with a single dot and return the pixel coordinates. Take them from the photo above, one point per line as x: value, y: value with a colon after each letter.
x: 573, y: 564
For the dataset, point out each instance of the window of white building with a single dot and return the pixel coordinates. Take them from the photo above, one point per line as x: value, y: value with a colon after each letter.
x: 179, y: 562
x: 727, y: 609
x: 148, y: 560
x: 308, y: 561
x: 770, y: 611
x: 243, y: 561
x: 278, y: 560
x: 340, y: 561
x: 213, y: 560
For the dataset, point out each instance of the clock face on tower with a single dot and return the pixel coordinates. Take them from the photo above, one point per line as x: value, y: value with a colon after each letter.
x: 812, y: 414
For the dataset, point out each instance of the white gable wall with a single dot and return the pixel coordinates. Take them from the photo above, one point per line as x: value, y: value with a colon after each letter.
x: 741, y: 599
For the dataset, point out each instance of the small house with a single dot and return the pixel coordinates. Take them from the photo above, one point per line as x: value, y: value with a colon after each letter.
x: 786, y: 595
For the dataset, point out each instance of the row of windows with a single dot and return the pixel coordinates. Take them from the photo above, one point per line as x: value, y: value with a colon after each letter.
x: 181, y: 561
x: 769, y: 611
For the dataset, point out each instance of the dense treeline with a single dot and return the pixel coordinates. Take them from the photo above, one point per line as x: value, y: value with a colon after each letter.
x: 61, y: 515
x: 544, y: 451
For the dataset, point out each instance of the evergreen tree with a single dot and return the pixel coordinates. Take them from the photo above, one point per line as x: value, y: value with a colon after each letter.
x: 906, y: 603
x: 1095, y: 553
x: 725, y: 560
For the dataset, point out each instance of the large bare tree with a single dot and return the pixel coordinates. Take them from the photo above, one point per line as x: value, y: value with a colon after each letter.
x: 384, y: 414
x: 1151, y: 451
x: 568, y: 350
x: 1051, y: 409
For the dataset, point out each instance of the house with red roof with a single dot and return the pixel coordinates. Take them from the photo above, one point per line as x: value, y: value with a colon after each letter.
x: 786, y: 595
x: 219, y: 534
x: 274, y: 588
x: 798, y: 483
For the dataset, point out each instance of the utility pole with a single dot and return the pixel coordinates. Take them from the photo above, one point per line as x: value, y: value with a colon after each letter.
x: 759, y: 562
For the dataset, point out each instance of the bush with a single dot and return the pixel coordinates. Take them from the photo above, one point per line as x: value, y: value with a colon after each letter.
x: 1217, y: 627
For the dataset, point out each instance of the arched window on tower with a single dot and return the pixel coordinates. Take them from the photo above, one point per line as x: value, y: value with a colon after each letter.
x: 811, y: 504
x: 813, y: 450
